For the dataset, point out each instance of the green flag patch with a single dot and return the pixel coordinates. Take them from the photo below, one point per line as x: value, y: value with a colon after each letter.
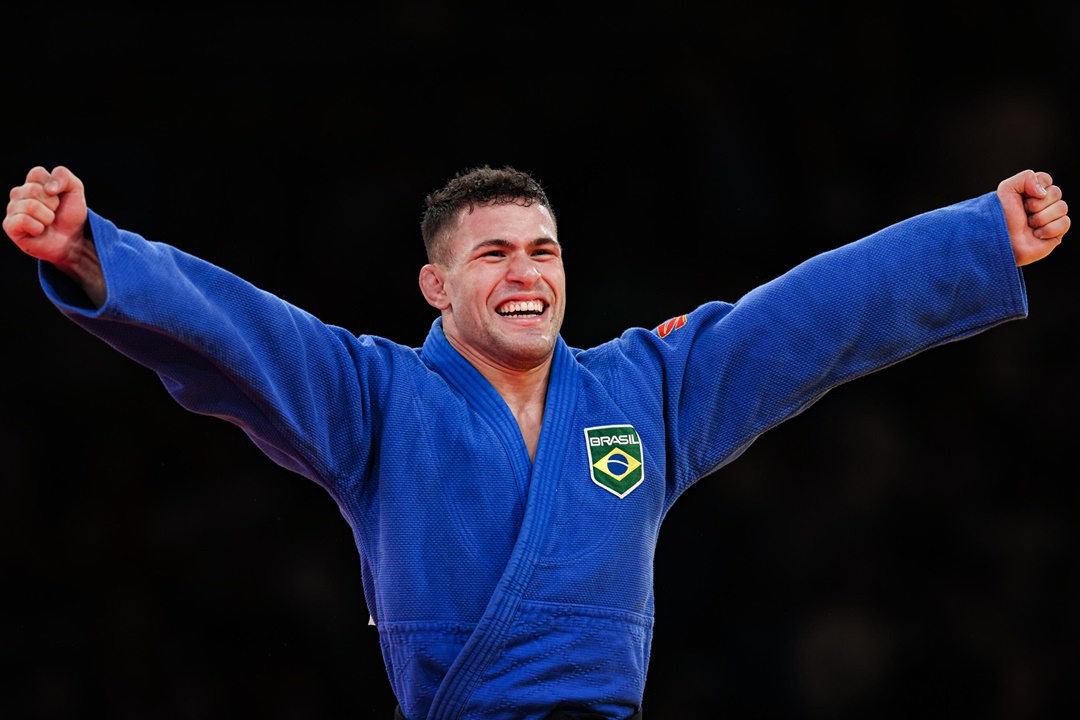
x: 615, y: 460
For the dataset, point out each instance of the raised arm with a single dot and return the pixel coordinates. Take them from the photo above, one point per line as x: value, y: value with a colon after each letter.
x: 1035, y: 214
x: 304, y: 391
x: 46, y: 218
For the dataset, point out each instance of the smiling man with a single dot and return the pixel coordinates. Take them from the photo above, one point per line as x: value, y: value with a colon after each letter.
x: 515, y: 581
x: 497, y: 277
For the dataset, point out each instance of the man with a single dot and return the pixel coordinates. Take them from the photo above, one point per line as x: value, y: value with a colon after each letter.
x: 505, y: 490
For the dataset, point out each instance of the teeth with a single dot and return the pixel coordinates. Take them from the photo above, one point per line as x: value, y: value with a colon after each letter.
x: 532, y: 307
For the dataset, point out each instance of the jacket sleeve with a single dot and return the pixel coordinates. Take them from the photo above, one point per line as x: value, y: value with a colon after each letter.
x: 302, y: 390
x: 735, y: 370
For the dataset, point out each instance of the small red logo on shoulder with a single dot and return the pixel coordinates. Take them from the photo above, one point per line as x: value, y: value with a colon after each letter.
x: 668, y: 327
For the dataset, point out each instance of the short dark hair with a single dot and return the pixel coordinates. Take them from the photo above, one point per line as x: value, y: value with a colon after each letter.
x: 481, y: 185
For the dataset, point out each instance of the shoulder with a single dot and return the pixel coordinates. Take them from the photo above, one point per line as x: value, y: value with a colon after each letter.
x: 668, y: 341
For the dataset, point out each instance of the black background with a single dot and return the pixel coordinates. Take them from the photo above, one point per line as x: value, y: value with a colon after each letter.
x: 907, y: 548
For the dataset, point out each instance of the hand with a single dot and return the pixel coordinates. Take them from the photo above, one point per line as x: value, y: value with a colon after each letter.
x: 1035, y: 214
x: 47, y: 215
x: 46, y: 218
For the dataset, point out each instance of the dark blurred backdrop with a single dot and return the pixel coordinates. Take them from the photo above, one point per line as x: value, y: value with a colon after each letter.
x: 907, y: 548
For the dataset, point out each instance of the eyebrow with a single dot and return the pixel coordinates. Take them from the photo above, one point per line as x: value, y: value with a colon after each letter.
x: 501, y: 243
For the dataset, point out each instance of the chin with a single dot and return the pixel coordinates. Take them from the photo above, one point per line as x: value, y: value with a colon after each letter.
x: 529, y: 355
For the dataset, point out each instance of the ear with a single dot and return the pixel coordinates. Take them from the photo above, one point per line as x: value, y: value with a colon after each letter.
x: 432, y: 285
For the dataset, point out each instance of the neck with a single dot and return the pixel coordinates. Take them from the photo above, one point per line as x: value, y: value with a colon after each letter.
x: 523, y: 390
x: 517, y: 386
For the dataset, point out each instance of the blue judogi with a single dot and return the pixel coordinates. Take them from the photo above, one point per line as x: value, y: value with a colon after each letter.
x: 502, y: 587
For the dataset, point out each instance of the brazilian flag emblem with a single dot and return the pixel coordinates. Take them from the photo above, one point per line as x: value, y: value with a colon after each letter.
x: 615, y: 460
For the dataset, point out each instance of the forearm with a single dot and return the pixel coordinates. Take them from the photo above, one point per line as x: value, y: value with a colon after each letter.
x: 841, y: 315
x: 221, y: 346
x: 84, y: 268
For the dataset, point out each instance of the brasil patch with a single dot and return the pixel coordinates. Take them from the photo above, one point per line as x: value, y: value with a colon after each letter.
x: 615, y: 460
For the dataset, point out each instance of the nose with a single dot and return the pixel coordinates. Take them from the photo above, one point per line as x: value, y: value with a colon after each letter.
x: 522, y: 270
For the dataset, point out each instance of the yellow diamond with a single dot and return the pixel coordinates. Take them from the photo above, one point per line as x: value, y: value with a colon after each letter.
x: 617, y: 464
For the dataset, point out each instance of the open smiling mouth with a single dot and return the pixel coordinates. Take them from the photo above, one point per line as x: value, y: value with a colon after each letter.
x: 532, y: 308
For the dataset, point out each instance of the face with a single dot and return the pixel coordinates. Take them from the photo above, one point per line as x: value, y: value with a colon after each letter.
x: 502, y: 296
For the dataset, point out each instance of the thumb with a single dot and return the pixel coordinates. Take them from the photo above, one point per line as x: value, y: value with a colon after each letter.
x: 1025, y: 182
x: 61, y: 180
x: 66, y: 197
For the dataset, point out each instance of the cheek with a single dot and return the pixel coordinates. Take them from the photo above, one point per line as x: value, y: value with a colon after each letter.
x: 474, y: 296
x: 557, y: 282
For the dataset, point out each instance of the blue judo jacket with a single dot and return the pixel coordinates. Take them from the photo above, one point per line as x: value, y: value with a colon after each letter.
x: 501, y: 587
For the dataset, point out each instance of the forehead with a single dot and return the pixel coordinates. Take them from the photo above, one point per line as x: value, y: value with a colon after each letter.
x: 509, y: 222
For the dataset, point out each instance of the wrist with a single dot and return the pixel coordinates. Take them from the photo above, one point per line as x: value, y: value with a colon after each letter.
x: 84, y: 267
